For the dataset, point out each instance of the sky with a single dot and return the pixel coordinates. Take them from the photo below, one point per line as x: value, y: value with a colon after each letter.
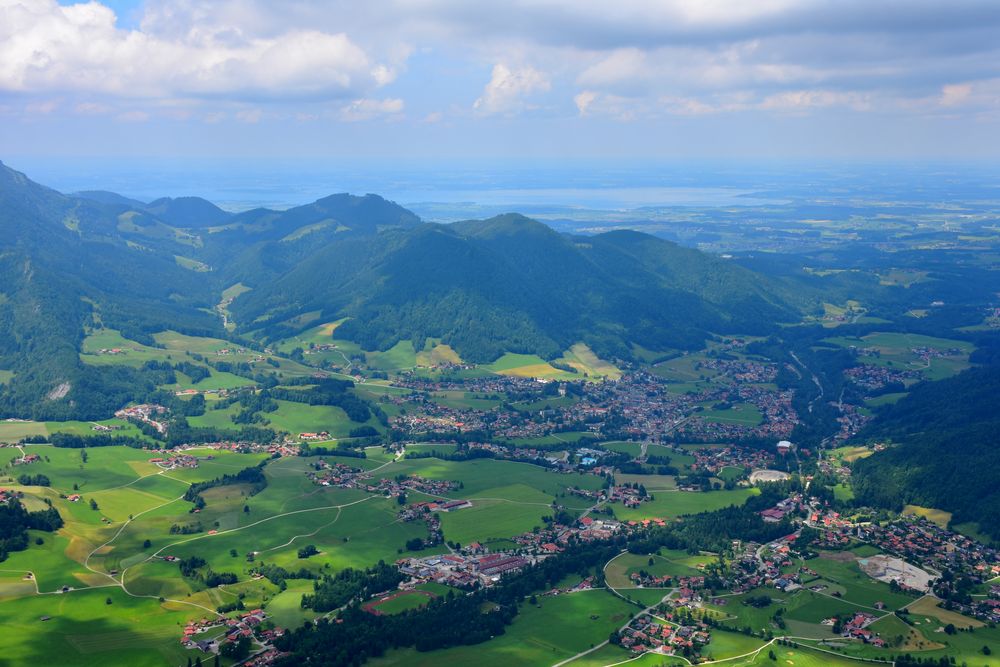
x: 541, y: 79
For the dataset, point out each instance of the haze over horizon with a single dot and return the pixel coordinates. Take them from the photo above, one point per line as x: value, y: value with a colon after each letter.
x: 777, y: 80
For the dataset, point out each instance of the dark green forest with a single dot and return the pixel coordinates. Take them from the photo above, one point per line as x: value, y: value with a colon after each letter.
x: 946, y: 450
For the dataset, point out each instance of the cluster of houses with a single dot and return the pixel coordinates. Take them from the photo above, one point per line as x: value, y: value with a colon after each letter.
x: 873, y: 378
x: 925, y: 354
x: 927, y: 544
x: 26, y: 459
x: 347, y: 477
x: 319, y: 348
x: 630, y: 495
x: 850, y: 420
x: 176, y: 461
x: 221, y: 393
x: 105, y: 428
x: 779, y: 417
x: 249, y: 624
x: 714, y: 459
x: 791, y: 505
x: 835, y: 468
x: 402, y: 485
x: 9, y: 496
x: 335, y: 474
x: 462, y: 570
x: 641, y: 403
x: 740, y: 370
x: 856, y: 627
x: 321, y: 435
x: 647, y: 634
x: 255, y: 357
x: 489, y: 385
x: 756, y: 566
x: 424, y: 512
x: 555, y: 537
x: 147, y: 413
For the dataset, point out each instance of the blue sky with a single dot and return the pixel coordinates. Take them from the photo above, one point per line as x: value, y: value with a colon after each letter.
x: 452, y: 79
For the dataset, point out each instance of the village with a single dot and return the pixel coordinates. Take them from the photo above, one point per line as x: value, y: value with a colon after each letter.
x: 252, y: 626
x: 475, y: 565
x: 638, y: 405
x: 650, y: 633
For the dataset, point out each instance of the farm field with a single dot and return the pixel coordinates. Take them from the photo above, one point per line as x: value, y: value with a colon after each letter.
x: 672, y: 564
x: 740, y: 413
x: 896, y: 350
x: 527, y: 365
x: 436, y: 353
x: 938, y: 517
x: 104, y: 347
x: 554, y: 630
x: 931, y: 607
x: 117, y: 549
x: 93, y: 628
x: 583, y: 359
x: 12, y: 431
x: 672, y: 504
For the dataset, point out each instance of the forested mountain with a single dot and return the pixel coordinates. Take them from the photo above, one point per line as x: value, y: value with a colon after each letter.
x: 106, y: 197
x: 62, y: 268
x: 946, y: 453
x: 187, y: 212
x: 507, y: 284
x: 260, y: 245
x: 513, y: 284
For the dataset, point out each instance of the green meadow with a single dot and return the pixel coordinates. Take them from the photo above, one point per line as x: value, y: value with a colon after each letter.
x: 895, y: 351
x: 555, y: 629
x: 673, y: 504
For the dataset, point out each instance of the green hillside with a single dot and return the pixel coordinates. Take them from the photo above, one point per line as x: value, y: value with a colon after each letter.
x: 510, y: 284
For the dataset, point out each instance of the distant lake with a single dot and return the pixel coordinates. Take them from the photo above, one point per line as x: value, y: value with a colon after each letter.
x: 445, y: 190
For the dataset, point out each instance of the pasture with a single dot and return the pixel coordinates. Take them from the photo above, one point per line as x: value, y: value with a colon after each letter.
x: 739, y: 413
x: 929, y: 606
x: 117, y: 551
x: 618, y: 571
x: 900, y: 351
x: 12, y: 431
x: 673, y: 504
x: 555, y: 629
x: 939, y: 518
x: 94, y: 628
x: 528, y: 365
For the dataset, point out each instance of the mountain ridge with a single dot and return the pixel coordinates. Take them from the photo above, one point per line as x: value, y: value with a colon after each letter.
x: 485, y: 287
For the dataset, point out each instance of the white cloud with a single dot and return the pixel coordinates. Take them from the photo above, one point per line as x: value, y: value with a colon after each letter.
x: 365, y: 109
x: 800, y: 100
x: 48, y: 47
x: 250, y: 116
x: 508, y: 87
x: 584, y: 100
x: 622, y: 66
x: 954, y: 94
x: 627, y: 59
